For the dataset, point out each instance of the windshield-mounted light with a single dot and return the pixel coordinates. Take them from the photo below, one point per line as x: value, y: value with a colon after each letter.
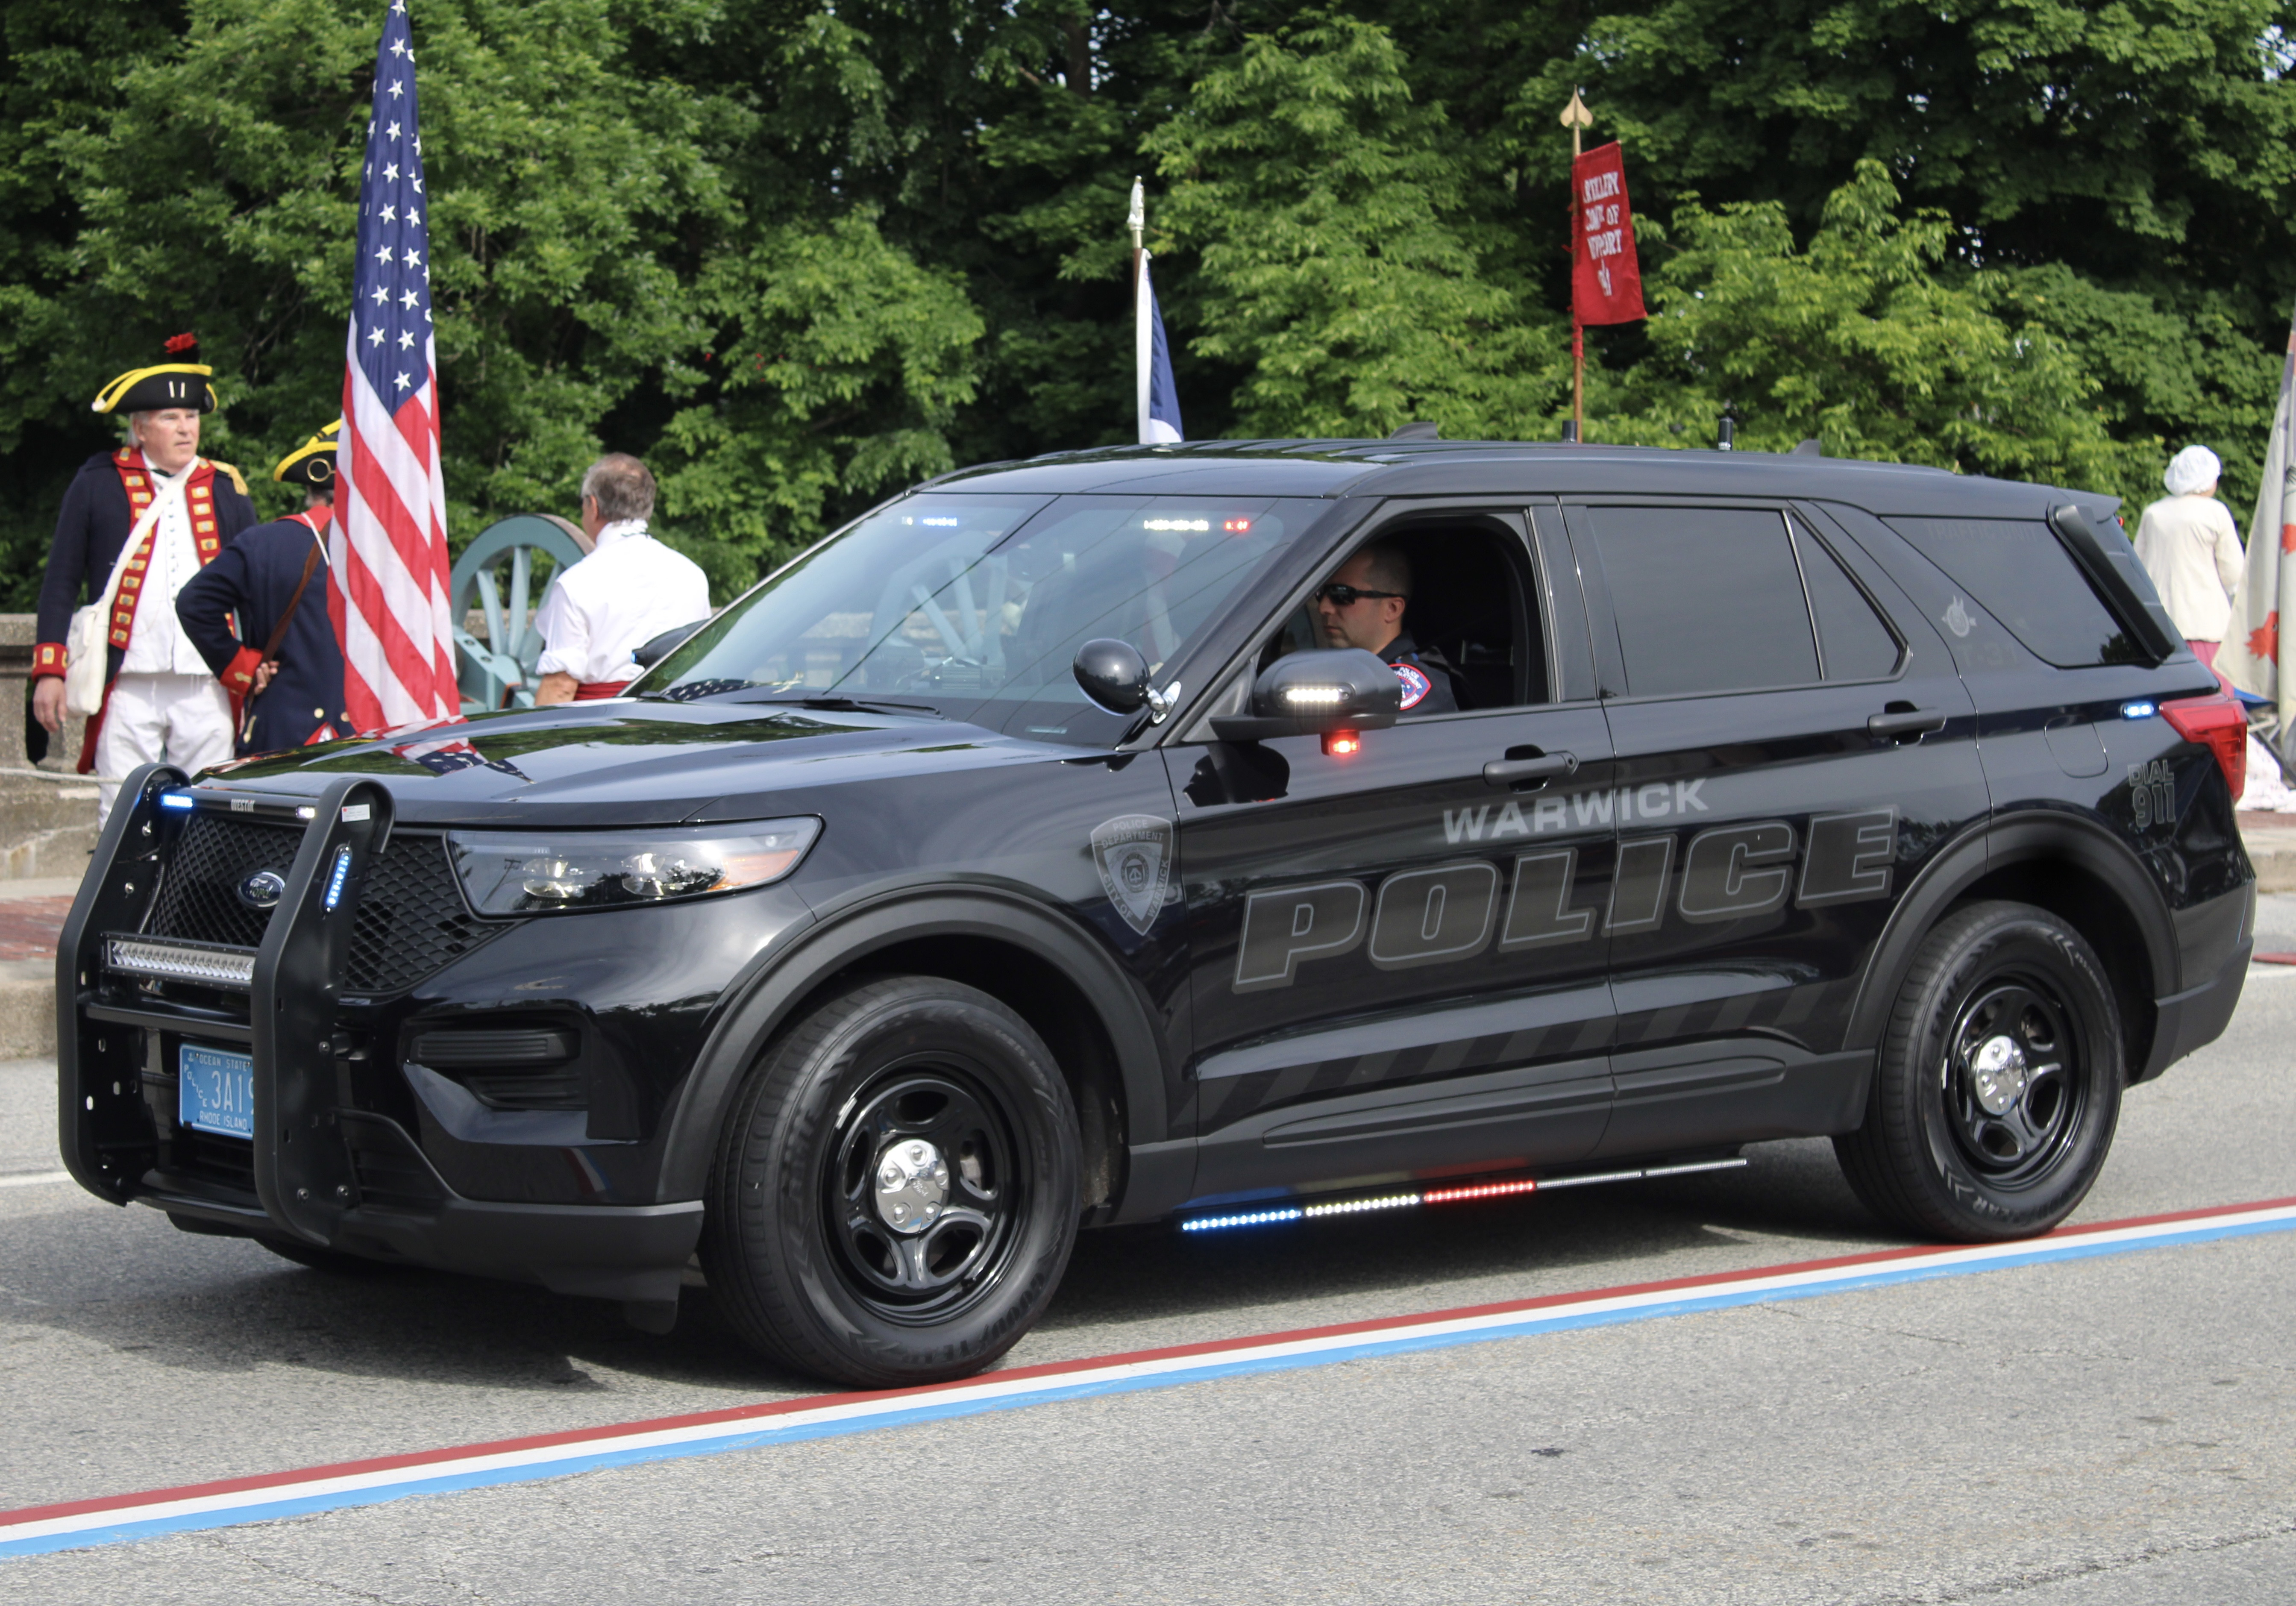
x: 537, y: 873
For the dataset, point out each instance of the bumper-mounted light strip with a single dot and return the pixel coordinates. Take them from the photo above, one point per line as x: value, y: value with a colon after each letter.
x: 1462, y: 1193
x: 181, y: 962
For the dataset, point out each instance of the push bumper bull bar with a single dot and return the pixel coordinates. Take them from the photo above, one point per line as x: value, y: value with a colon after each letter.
x: 307, y: 1189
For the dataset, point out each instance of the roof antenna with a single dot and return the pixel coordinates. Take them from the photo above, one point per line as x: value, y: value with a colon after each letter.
x: 1726, y: 431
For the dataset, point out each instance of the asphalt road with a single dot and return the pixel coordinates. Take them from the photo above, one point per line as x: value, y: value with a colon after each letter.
x: 2111, y: 1430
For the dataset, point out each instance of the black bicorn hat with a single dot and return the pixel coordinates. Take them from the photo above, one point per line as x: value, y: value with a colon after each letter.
x: 180, y: 382
x: 313, y: 462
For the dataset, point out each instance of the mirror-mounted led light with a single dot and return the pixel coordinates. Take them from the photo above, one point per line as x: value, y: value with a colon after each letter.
x: 522, y: 873
x: 1342, y: 744
x: 1314, y: 696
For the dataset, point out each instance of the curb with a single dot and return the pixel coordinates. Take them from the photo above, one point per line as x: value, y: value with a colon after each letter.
x: 28, y: 1009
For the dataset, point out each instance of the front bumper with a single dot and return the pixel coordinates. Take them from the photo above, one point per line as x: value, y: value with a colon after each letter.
x: 325, y: 1167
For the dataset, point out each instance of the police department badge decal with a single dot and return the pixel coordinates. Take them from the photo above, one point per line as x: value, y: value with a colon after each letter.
x: 1416, y: 684
x: 1134, y: 853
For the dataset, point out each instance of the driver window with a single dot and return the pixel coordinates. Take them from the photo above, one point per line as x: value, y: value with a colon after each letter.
x: 1468, y: 608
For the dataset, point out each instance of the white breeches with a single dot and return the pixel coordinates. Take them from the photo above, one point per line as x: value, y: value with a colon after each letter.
x: 180, y: 719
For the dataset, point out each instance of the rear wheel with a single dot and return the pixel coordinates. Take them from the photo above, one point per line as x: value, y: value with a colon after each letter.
x: 1998, y: 1087
x: 895, y: 1195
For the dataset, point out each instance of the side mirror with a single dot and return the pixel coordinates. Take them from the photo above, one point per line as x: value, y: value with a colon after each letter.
x: 1315, y: 693
x: 654, y: 649
x: 1113, y: 675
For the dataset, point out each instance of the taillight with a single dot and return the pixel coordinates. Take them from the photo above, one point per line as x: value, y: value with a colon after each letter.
x: 2218, y: 723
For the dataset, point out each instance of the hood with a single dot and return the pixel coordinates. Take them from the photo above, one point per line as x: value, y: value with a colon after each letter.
x: 628, y: 763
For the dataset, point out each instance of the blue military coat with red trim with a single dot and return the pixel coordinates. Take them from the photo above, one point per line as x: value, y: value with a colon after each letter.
x: 255, y: 579
x: 99, y: 508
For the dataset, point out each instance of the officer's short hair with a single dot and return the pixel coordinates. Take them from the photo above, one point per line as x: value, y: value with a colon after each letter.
x: 622, y: 485
x: 1387, y: 569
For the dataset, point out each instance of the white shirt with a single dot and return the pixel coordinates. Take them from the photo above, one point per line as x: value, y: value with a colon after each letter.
x: 2190, y: 548
x: 629, y: 590
x: 156, y: 643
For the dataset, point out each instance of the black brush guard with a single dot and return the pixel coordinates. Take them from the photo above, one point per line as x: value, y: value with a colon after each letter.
x: 307, y: 1188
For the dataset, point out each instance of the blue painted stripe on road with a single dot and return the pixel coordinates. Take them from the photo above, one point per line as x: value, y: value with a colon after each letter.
x: 164, y: 1512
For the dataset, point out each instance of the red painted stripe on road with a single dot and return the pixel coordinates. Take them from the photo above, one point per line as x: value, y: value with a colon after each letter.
x: 606, y: 1434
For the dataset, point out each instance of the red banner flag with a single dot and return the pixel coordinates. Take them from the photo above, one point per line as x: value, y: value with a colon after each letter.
x: 1606, y: 281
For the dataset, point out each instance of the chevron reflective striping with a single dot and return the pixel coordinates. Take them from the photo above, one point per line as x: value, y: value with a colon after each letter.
x: 230, y: 1502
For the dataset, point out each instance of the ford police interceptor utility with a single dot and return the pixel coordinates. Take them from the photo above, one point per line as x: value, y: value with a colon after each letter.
x: 1022, y: 857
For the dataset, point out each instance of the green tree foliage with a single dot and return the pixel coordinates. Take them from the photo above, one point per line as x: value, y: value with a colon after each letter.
x: 1858, y: 341
x: 800, y: 255
x: 1325, y: 209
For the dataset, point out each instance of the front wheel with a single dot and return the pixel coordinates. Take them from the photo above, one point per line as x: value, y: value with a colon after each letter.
x: 1998, y: 1084
x: 895, y: 1193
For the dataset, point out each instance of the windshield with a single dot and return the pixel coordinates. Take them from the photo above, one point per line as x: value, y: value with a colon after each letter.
x: 973, y: 606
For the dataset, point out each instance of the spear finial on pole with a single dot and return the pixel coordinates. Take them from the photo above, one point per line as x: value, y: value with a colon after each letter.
x: 1577, y: 117
x: 1138, y: 220
x: 1578, y: 120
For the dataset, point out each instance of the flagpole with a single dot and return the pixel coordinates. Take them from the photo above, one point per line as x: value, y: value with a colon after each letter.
x: 1577, y: 118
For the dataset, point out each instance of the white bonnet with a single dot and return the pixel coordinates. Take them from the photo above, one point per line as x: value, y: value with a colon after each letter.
x: 2192, y: 469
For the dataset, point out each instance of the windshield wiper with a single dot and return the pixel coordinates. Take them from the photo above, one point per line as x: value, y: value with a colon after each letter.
x: 845, y: 705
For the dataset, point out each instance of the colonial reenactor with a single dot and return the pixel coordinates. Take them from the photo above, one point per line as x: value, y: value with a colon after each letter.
x: 283, y: 666
x: 1363, y: 606
x: 158, y: 700
x: 630, y: 589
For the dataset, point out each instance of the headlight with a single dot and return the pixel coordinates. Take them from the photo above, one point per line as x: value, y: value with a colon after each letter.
x: 528, y: 872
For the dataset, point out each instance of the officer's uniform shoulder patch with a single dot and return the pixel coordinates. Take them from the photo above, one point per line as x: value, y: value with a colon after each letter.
x: 1416, y: 684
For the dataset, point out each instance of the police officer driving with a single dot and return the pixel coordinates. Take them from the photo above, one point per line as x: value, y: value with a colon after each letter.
x: 1363, y: 606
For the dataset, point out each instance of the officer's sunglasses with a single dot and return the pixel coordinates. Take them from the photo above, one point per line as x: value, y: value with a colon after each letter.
x: 1348, y: 596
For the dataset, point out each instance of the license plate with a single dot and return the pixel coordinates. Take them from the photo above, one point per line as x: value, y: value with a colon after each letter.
x: 216, y: 1090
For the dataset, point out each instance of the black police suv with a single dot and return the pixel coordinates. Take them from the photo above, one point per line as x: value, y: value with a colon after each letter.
x: 1047, y: 850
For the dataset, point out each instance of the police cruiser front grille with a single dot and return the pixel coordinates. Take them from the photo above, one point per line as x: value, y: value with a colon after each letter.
x: 412, y: 920
x: 199, y: 894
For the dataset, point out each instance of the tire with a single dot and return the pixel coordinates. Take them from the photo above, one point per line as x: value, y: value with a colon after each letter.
x: 1998, y: 1084
x: 907, y: 1100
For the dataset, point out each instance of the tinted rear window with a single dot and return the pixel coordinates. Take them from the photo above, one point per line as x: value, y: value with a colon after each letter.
x: 1856, y: 644
x: 1708, y: 599
x: 2017, y: 569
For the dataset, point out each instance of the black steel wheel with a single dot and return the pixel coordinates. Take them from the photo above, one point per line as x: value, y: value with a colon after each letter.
x: 896, y: 1193
x: 1998, y: 1084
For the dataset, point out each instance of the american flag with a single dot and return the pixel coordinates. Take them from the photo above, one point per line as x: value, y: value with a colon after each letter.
x: 387, y: 580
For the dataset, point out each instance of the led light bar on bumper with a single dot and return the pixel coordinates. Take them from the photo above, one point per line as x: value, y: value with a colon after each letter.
x: 537, y: 873
x: 171, y: 961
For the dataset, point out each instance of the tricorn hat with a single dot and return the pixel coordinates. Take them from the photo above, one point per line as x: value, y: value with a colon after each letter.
x: 313, y: 462
x: 180, y: 382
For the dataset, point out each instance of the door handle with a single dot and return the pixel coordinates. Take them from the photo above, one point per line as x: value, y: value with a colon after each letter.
x: 1515, y: 772
x: 1903, y: 722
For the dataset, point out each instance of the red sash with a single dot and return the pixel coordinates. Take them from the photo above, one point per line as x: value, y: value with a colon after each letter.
x: 596, y: 691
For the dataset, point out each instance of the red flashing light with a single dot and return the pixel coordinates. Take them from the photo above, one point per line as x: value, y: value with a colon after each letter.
x: 1342, y: 744
x: 1235, y: 526
x: 1488, y: 1190
x: 2216, y: 722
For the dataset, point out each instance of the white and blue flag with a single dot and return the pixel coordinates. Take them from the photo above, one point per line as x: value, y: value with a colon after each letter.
x: 1160, y: 399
